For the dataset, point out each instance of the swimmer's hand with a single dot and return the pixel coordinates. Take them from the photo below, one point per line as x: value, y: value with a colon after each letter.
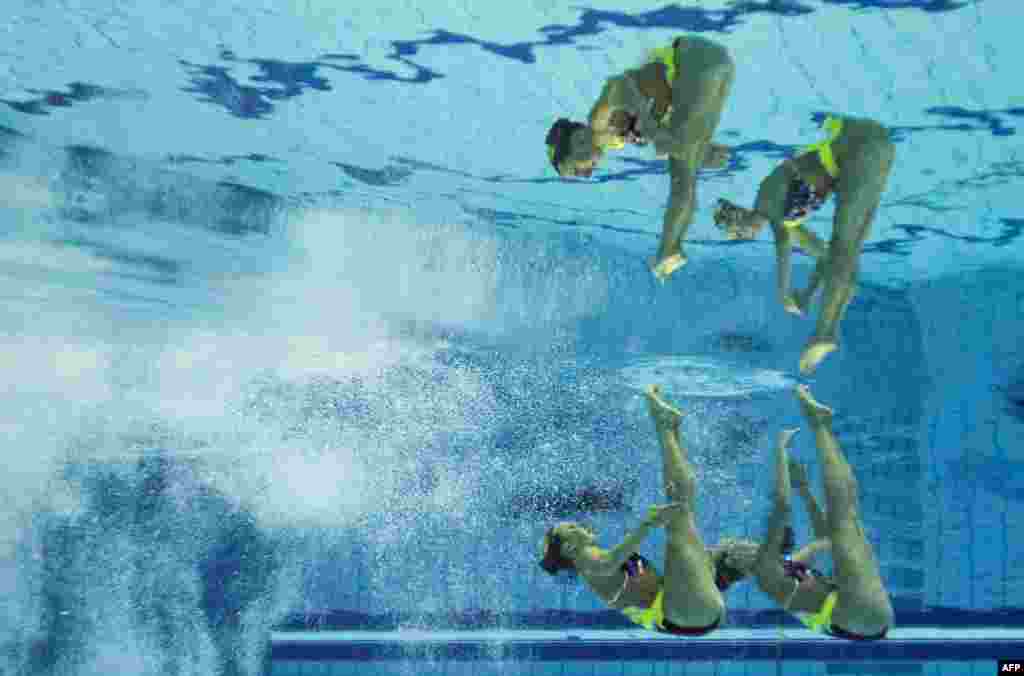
x: 798, y: 474
x: 632, y: 133
x: 659, y: 515
x: 731, y: 219
x: 792, y: 305
x: 624, y: 125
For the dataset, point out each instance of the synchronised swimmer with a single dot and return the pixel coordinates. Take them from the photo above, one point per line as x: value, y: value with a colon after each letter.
x: 674, y: 101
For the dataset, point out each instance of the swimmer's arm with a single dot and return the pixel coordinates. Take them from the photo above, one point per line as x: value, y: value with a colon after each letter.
x: 640, y: 106
x: 601, y: 114
x: 783, y: 260
x: 770, y: 206
x: 619, y: 93
x: 629, y: 545
x: 807, y: 553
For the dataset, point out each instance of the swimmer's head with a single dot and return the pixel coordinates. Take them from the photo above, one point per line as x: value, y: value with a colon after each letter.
x: 729, y: 219
x: 734, y: 560
x: 571, y: 148
x: 562, y: 544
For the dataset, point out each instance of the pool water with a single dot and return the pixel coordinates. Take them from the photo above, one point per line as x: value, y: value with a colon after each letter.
x: 304, y: 345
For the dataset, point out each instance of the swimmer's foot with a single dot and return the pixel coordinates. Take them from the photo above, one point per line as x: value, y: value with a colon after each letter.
x: 664, y: 268
x: 814, y: 353
x: 814, y: 411
x: 803, y: 298
x: 666, y: 416
x: 792, y: 305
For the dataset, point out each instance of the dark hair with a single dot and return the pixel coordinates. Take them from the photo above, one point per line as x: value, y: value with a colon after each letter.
x: 558, y: 139
x: 554, y: 560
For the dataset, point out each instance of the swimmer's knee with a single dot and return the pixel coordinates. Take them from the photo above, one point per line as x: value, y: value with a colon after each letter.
x: 719, y: 71
x: 880, y: 131
x: 726, y: 70
x: 715, y: 57
x: 884, y: 151
x: 880, y: 152
x: 722, y: 77
x: 720, y: 60
x: 888, y: 152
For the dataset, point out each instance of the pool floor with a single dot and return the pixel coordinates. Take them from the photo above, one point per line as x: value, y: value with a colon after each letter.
x: 911, y: 645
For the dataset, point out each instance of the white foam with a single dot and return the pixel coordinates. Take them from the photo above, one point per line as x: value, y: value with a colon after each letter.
x: 684, y: 376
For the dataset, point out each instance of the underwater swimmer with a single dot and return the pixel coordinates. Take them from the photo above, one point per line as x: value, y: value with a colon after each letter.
x: 674, y: 101
x: 854, y: 162
x: 687, y: 599
x: 853, y: 604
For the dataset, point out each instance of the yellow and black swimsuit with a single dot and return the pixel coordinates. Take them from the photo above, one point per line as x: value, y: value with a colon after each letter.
x: 652, y: 618
x: 821, y: 621
x: 802, y: 199
x: 663, y: 55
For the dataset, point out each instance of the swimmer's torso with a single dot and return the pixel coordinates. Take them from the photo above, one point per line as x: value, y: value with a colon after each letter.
x: 810, y: 186
x: 653, y: 85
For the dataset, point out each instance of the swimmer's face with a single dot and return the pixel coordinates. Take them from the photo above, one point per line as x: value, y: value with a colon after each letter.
x: 583, y: 156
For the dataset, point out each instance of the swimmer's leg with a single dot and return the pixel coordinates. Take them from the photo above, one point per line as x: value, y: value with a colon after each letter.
x: 863, y: 180
x: 716, y: 156
x: 863, y: 605
x: 691, y: 597
x: 779, y: 519
x: 810, y: 242
x: 819, y: 522
x: 768, y: 571
x: 815, y: 246
x: 677, y: 219
x: 699, y: 91
x: 704, y: 76
x: 803, y: 299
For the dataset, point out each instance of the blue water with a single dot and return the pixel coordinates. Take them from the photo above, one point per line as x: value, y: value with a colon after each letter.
x: 304, y: 345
